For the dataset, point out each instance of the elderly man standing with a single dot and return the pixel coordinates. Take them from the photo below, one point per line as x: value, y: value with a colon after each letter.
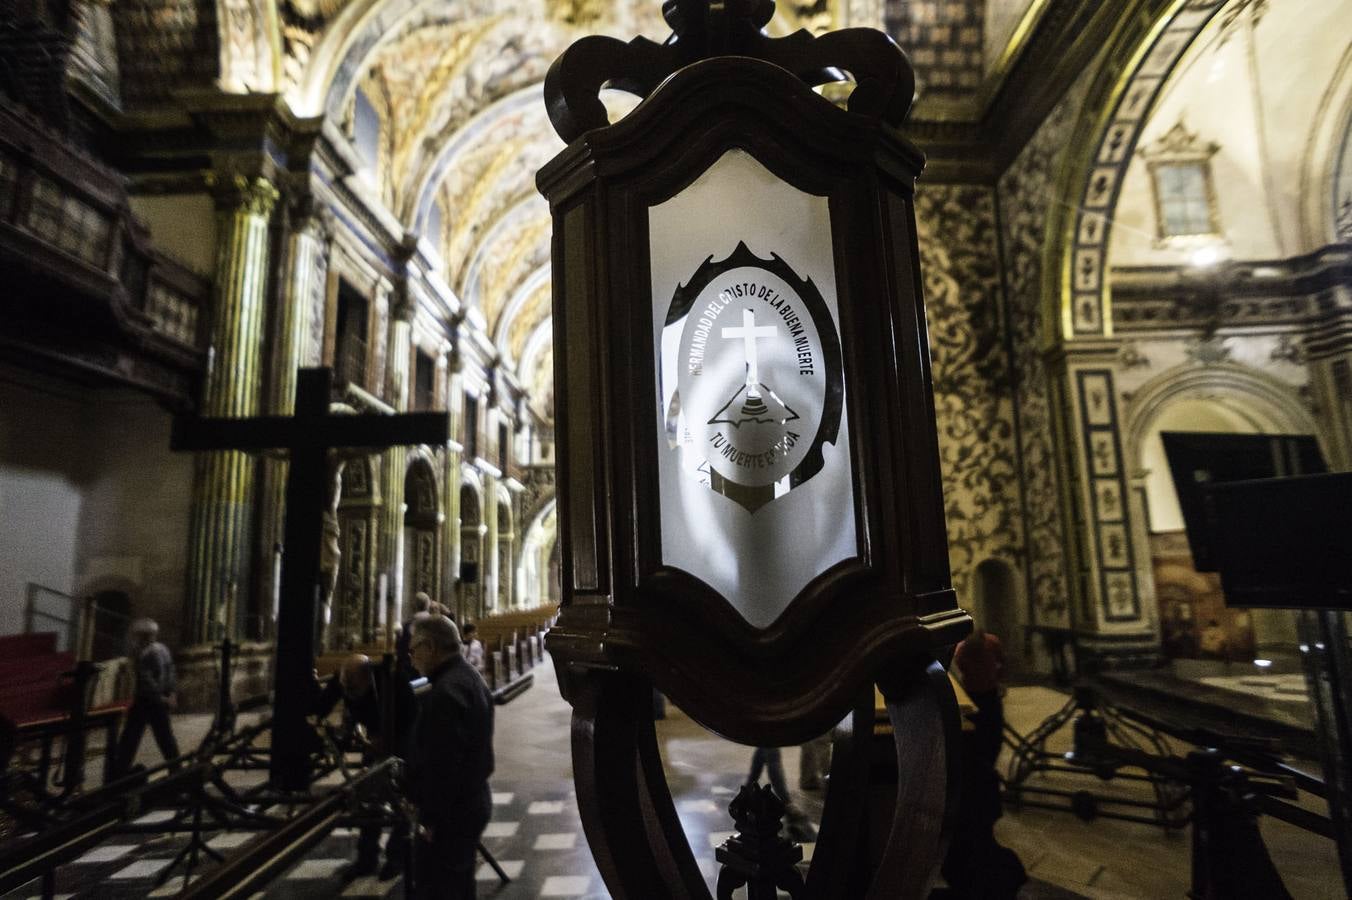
x: 154, y: 696
x: 449, y: 762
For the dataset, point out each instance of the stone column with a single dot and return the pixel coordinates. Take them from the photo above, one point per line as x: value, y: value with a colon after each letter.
x: 450, y: 490
x: 488, y: 581
x: 398, y: 351
x: 296, y: 342
x: 223, y: 490
x: 1113, y: 602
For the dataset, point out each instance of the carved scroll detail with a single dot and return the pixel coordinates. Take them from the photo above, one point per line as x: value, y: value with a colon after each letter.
x: 885, y: 80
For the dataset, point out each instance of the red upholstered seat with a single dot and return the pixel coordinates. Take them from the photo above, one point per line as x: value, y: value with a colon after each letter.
x: 34, y: 688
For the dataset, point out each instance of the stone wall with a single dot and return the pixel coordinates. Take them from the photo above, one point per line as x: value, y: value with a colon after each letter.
x: 1025, y: 195
x: 974, y: 404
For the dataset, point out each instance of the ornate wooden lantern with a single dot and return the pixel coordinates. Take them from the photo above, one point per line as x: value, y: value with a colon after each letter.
x: 748, y: 477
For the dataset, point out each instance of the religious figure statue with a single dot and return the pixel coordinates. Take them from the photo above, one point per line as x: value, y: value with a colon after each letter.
x: 330, y: 549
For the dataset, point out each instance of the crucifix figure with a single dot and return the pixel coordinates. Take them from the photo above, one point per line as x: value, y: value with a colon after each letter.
x: 749, y: 333
x: 307, y: 436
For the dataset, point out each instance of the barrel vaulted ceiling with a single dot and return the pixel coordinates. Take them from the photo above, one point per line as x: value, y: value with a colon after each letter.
x: 457, y: 87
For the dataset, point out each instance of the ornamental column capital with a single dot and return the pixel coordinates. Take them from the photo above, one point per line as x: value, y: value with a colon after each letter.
x: 309, y: 215
x: 239, y: 193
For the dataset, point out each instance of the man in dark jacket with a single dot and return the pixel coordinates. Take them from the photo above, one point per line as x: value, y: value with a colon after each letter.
x: 155, y: 697
x: 449, y: 762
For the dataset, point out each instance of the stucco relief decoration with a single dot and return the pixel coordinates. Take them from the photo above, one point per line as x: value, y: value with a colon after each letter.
x: 1209, y: 351
x: 302, y: 24
x: 247, y: 62
x: 1129, y: 356
x: 1290, y: 348
x: 973, y: 401
x: 513, y: 256
x: 443, y: 76
x: 490, y: 177
x: 578, y: 12
x: 527, y: 319
x: 1024, y: 194
x: 539, y: 484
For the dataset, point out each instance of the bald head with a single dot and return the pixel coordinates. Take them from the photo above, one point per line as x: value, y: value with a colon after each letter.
x: 435, y: 639
x: 356, y: 675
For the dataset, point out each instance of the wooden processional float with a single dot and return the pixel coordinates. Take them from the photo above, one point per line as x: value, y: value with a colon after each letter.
x: 748, y: 473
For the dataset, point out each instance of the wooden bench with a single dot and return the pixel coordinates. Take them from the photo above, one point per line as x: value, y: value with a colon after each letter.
x: 40, y: 702
x: 513, y: 646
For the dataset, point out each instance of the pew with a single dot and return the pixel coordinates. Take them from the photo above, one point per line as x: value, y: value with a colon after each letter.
x: 44, y: 698
x: 513, y: 645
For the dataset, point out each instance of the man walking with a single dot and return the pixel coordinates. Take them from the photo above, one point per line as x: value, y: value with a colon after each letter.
x: 449, y: 762
x: 154, y: 697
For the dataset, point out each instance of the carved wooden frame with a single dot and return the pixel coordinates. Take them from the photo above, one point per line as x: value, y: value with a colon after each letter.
x: 629, y: 622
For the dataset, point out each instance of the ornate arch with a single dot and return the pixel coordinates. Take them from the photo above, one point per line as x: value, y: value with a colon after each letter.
x: 360, y: 481
x: 537, y: 548
x: 526, y: 101
x: 504, y: 501
x: 422, y: 490
x: 1269, y: 400
x: 471, y: 488
x: 1326, y: 170
x: 1143, y: 53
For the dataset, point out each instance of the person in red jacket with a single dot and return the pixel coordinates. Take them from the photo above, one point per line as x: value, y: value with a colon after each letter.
x: 980, y: 663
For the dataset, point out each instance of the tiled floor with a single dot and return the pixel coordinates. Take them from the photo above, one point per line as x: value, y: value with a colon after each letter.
x: 537, y: 839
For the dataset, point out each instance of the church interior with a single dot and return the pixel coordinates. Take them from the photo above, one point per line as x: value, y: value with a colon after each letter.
x: 1135, y: 218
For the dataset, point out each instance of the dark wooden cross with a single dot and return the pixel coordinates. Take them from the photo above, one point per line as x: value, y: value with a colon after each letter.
x: 307, y: 436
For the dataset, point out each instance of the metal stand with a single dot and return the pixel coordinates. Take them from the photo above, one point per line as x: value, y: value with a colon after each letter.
x: 1229, y: 856
x: 493, y: 864
x: 188, y: 856
x: 1323, y: 637
x: 1094, y: 722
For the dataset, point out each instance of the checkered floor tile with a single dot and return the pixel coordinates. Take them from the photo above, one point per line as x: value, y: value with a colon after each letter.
x: 535, y: 836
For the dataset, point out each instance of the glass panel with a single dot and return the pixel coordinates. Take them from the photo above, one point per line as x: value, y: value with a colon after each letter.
x: 1185, y: 207
x: 754, y: 464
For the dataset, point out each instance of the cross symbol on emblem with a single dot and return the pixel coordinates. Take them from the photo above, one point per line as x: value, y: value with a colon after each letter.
x: 749, y: 333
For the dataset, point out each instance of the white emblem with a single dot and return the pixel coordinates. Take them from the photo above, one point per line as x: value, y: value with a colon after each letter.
x: 757, y: 368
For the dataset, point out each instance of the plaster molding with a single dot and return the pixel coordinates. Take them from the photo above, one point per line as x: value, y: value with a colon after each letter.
x: 1266, y: 396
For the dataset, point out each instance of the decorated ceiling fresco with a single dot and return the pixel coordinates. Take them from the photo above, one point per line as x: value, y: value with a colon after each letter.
x: 456, y: 88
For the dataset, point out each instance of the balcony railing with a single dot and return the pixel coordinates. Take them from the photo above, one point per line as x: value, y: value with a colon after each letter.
x: 81, y: 273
